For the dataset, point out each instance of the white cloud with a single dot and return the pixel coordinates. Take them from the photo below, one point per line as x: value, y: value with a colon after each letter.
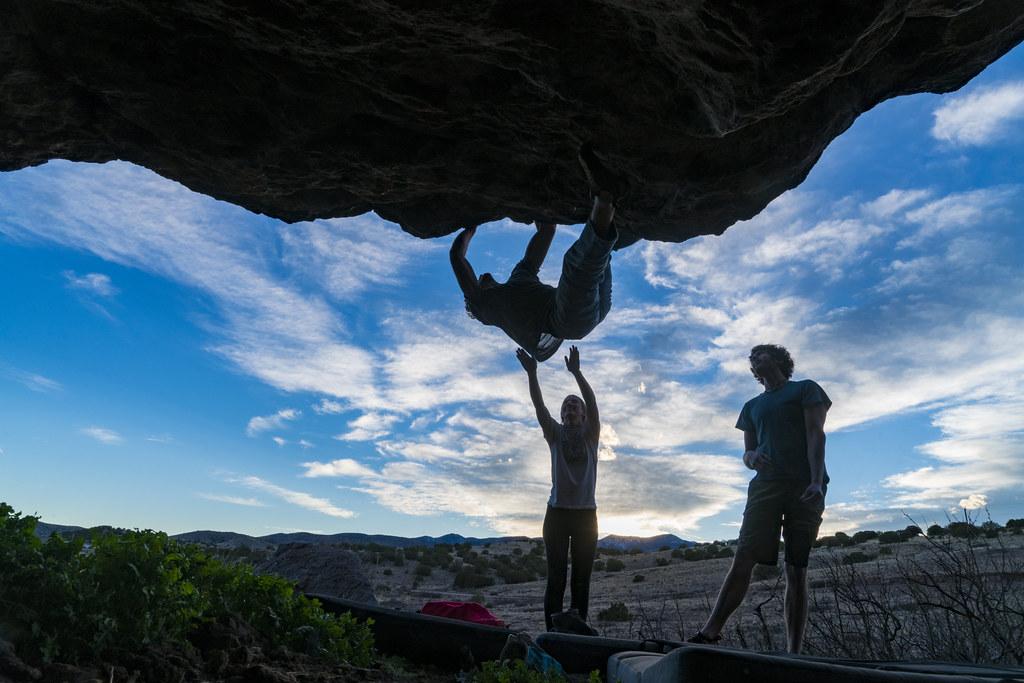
x: 962, y: 210
x: 981, y: 117
x: 278, y: 440
x: 36, y: 382
x: 268, y: 325
x: 93, y: 283
x: 327, y: 407
x: 343, y: 467
x: 276, y: 421
x: 346, y: 256
x: 978, y: 455
x: 305, y: 444
x: 233, y: 500
x: 975, y: 501
x: 103, y: 435
x: 893, y: 202
x: 368, y: 427
x: 298, y: 498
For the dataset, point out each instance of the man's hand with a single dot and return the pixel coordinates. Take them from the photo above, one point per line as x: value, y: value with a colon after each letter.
x: 756, y: 460
x: 528, y: 362
x: 572, y: 361
x: 812, y: 494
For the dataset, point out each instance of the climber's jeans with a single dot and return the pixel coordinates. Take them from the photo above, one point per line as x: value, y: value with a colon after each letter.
x: 584, y: 293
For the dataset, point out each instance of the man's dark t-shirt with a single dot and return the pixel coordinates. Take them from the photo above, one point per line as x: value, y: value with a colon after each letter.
x: 777, y: 417
x: 522, y: 308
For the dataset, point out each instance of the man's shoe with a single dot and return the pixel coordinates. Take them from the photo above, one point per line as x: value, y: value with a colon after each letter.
x: 699, y: 638
x: 601, y: 179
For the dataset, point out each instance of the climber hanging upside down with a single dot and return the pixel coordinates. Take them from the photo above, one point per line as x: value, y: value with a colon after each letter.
x: 535, y: 315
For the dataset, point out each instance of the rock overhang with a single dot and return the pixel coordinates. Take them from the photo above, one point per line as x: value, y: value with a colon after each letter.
x: 442, y: 115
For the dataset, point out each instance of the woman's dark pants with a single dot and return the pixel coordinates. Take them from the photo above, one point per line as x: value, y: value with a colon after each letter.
x: 569, y: 531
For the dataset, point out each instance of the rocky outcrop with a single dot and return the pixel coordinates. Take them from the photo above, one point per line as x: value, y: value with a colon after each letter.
x: 443, y: 114
x: 325, y: 569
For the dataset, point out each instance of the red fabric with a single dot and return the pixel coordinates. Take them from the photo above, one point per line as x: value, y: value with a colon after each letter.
x: 466, y: 611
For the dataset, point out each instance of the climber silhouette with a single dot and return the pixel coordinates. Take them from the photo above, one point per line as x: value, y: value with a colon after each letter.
x: 537, y: 316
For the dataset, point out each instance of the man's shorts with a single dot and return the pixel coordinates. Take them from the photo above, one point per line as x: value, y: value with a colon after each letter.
x: 774, y: 506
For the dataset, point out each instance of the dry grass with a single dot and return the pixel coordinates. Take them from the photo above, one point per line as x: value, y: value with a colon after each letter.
x: 946, y: 599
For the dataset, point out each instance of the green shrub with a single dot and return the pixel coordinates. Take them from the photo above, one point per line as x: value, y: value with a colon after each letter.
x: 513, y: 575
x: 638, y: 578
x: 678, y: 553
x: 424, y: 569
x: 140, y: 588
x: 936, y: 531
x: 661, y: 562
x: 613, y: 564
x: 598, y: 565
x: 862, y: 536
x: 467, y: 578
x: 617, y: 611
x: 962, y: 530
x: 857, y: 557
x: 695, y: 554
x: 513, y: 671
x: 887, y: 537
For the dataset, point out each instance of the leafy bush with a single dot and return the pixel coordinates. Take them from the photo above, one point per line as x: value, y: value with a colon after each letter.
x: 766, y: 571
x: 838, y: 540
x: 887, y: 537
x: 936, y: 531
x: 856, y: 557
x: 515, y: 575
x: 598, y: 565
x: 678, y: 553
x: 962, y: 530
x: 617, y: 611
x: 661, y: 562
x: 862, y: 536
x: 424, y: 569
x: 138, y: 588
x: 614, y: 565
x: 468, y: 578
x: 639, y: 578
x: 515, y: 671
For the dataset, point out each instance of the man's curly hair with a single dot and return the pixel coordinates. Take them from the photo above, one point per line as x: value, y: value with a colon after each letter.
x: 778, y: 353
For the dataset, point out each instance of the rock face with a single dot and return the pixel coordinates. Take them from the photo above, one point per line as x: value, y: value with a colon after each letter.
x: 440, y: 114
x: 325, y: 569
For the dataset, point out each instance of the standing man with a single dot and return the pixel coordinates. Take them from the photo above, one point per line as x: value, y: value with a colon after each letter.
x: 535, y: 315
x: 784, y: 442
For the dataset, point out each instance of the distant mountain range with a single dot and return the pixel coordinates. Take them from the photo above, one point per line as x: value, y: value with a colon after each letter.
x: 230, y: 539
x: 645, y: 544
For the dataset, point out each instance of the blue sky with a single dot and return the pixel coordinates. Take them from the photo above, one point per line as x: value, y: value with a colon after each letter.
x: 174, y: 362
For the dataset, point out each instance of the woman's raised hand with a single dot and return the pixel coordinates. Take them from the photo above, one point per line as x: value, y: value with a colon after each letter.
x: 528, y: 362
